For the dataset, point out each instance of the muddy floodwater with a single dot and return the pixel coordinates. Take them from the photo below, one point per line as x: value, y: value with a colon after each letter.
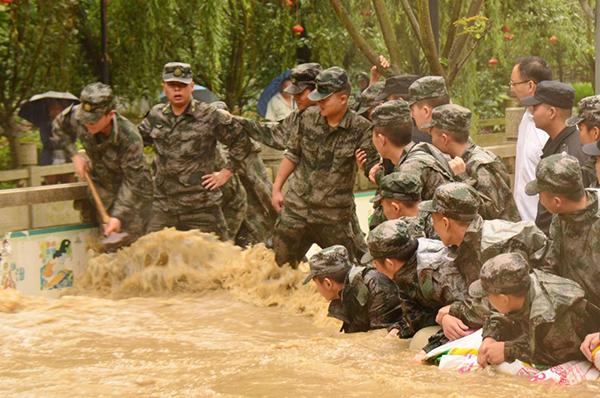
x: 182, y: 315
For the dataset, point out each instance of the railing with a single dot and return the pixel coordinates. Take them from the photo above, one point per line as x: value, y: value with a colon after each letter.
x: 35, y: 194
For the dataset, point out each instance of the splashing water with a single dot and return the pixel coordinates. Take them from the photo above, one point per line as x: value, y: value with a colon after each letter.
x: 183, y: 314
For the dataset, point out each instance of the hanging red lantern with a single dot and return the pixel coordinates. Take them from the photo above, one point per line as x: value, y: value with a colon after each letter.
x: 298, y: 29
x: 553, y: 40
x: 493, y: 61
x: 509, y: 37
x: 505, y: 28
x: 290, y: 3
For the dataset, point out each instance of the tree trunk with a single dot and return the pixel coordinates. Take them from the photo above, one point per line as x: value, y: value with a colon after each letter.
x: 9, y: 131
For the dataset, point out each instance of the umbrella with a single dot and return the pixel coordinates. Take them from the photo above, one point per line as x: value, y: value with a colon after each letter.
x: 200, y: 93
x: 270, y: 91
x: 36, y: 109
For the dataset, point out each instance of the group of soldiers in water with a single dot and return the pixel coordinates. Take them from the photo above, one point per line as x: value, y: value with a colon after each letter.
x: 446, y: 244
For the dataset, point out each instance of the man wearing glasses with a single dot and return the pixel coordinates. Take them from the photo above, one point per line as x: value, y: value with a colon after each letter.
x: 525, y: 76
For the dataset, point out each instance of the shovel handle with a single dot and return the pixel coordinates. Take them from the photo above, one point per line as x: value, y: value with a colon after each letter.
x: 99, y: 205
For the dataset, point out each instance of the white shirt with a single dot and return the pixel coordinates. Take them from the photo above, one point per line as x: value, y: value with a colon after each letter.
x: 530, y: 141
x: 278, y: 108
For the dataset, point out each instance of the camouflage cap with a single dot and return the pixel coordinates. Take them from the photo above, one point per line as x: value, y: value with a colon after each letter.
x: 391, y: 113
x: 390, y: 239
x: 552, y: 92
x: 328, y: 261
x: 397, y: 85
x: 589, y: 110
x: 559, y: 173
x: 507, y: 273
x: 427, y: 87
x: 303, y: 76
x: 177, y: 72
x: 328, y: 82
x: 455, y: 200
x: 96, y: 100
x: 455, y: 119
x: 401, y: 185
x: 368, y: 98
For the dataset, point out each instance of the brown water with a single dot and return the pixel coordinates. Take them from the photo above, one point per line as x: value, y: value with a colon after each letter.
x: 211, y: 321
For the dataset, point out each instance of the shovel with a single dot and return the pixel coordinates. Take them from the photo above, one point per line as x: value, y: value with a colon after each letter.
x: 115, y: 239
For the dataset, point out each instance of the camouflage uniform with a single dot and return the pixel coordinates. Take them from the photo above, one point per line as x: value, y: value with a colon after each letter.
x: 553, y: 321
x: 117, y: 161
x: 247, y: 197
x: 185, y: 147
x: 403, y: 187
x: 589, y: 112
x: 483, y: 239
x: 574, y: 237
x: 319, y: 203
x: 392, y: 239
x: 369, y: 99
x: 368, y: 300
x: 234, y: 199
x: 421, y: 159
x: 484, y: 170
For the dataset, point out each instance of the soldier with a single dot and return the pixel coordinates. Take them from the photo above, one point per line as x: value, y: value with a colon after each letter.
x: 247, y: 196
x: 472, y: 241
x: 397, y: 87
x: 399, y: 197
x: 552, y: 104
x: 184, y: 133
x: 449, y: 128
x: 362, y: 298
x: 319, y: 203
x: 399, y: 255
x: 575, y: 227
x: 543, y: 318
x: 425, y: 94
x: 276, y: 135
x: 392, y: 128
x: 588, y: 124
x: 114, y: 154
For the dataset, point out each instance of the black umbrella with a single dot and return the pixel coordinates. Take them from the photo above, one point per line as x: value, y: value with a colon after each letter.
x: 36, y: 109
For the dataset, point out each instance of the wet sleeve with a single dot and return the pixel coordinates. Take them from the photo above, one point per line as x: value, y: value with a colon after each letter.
x: 384, y: 306
x: 518, y: 348
x: 414, y: 318
x: 472, y: 312
x: 136, y: 186
x: 230, y: 132
x: 63, y: 134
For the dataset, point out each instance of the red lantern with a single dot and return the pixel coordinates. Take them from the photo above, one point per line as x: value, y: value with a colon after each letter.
x: 509, y: 37
x: 505, y: 28
x: 298, y: 29
x: 7, y: 2
x: 493, y: 61
x: 553, y: 40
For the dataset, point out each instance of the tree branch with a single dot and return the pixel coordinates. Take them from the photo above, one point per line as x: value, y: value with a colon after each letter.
x: 412, y: 19
x: 387, y: 28
x: 451, y: 35
x: 461, y: 40
x: 429, y: 47
x: 357, y: 38
x: 587, y: 10
x: 453, y: 73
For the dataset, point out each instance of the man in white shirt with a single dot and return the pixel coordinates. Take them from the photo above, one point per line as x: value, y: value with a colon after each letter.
x: 525, y: 76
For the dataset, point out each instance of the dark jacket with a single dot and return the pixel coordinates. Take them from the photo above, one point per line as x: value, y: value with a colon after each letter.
x: 566, y: 141
x: 369, y: 300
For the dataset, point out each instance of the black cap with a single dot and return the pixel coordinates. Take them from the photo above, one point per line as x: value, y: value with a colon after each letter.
x: 552, y: 92
x: 397, y: 85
